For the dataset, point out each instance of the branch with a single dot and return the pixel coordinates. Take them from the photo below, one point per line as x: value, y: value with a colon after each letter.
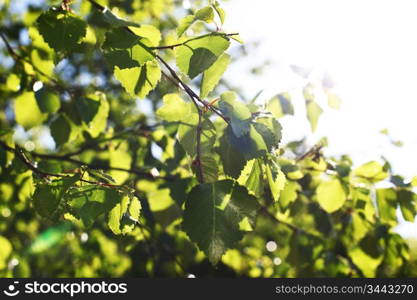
x: 19, y: 58
x: 183, y: 43
x: 188, y: 90
x: 193, y: 96
x: 21, y: 155
x: 9, y: 48
x: 69, y: 159
x: 197, y: 162
x: 313, y: 151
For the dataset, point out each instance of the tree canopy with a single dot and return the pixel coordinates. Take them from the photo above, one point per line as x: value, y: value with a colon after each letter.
x: 125, y: 152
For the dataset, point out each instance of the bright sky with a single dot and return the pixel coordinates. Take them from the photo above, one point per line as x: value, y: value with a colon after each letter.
x: 368, y: 47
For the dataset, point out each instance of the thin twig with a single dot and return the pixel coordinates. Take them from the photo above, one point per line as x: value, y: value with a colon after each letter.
x: 19, y: 58
x: 188, y: 90
x: 21, y: 155
x: 69, y: 159
x: 313, y: 151
x: 185, y: 42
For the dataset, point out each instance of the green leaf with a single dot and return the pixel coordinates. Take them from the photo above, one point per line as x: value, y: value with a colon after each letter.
x: 212, y: 216
x: 27, y: 111
x: 87, y: 108
x: 93, y: 110
x: 212, y: 75
x: 252, y: 177
x: 63, y: 130
x: 387, y: 205
x: 48, y: 196
x: 289, y: 194
x: 314, y: 112
x: 90, y: 201
x: 126, y: 50
x: 150, y: 34
x: 276, y: 180
x: 122, y: 217
x: 209, y: 167
x: 62, y: 30
x: 13, y: 82
x: 120, y: 38
x: 371, y: 171
x: 43, y: 63
x: 270, y: 130
x: 237, y: 112
x: 280, y: 105
x: 242, y: 205
x: 331, y: 195
x: 139, y: 81
x: 120, y: 157
x: 187, y: 134
x: 120, y: 58
x: 220, y: 12
x: 414, y: 181
x: 48, y: 100
x: 408, y: 205
x: 236, y: 151
x: 110, y: 18
x: 198, y: 54
x: 205, y: 14
x: 366, y: 263
x: 184, y: 24
x: 173, y: 109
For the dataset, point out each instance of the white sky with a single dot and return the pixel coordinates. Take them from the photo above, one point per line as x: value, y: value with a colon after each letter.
x: 368, y: 47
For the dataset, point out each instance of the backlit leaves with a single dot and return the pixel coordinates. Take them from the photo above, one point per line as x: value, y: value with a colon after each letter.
x: 90, y: 201
x: 198, y: 54
x: 331, y: 195
x: 280, y: 105
x: 123, y: 216
x: 212, y: 75
x: 62, y: 30
x: 173, y: 108
x: 139, y: 81
x: 212, y: 215
x: 205, y: 14
x: 314, y: 112
x: 371, y: 172
x: 27, y: 111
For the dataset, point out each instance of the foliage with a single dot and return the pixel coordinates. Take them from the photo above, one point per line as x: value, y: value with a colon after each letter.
x: 199, y: 183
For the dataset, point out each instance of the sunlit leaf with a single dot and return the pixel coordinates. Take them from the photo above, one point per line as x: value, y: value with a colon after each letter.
x: 173, y: 108
x: 139, y: 81
x: 212, y: 75
x: 331, y: 195
x: 199, y: 54
x: 27, y: 111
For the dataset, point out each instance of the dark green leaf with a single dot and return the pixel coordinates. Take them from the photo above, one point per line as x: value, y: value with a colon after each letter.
x: 212, y: 221
x: 48, y: 100
x: 62, y: 30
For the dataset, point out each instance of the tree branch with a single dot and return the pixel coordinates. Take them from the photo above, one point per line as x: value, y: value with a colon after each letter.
x: 185, y: 42
x: 19, y: 58
x: 69, y: 159
x: 21, y: 155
